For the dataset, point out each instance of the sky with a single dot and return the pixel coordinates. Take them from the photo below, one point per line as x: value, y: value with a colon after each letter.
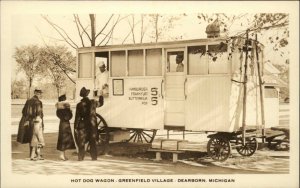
x: 28, y: 27
x: 33, y: 29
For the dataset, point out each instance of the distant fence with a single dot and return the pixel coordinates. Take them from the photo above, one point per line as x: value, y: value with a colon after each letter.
x: 284, y: 114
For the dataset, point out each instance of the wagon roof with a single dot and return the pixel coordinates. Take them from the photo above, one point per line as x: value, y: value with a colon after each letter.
x: 158, y: 44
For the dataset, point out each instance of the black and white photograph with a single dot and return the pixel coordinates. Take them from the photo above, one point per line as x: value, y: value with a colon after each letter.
x: 150, y: 94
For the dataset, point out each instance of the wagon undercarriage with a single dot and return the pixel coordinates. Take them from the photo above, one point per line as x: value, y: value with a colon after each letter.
x: 219, y: 146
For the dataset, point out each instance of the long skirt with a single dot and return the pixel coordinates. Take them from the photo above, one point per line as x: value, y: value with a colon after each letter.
x: 65, y: 139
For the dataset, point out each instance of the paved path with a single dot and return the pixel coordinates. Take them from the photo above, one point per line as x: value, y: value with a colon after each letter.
x: 261, y: 162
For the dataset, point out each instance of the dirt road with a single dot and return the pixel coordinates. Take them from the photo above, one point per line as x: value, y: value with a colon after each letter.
x: 130, y: 162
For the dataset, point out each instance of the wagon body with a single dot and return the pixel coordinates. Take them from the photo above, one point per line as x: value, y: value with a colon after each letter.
x: 146, y: 92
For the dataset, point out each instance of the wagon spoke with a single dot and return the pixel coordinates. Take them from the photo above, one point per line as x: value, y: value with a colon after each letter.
x: 140, y: 138
x: 147, y: 134
x: 135, y: 135
x: 131, y: 137
x: 145, y: 137
x: 218, y: 148
x: 103, y: 131
x: 249, y: 148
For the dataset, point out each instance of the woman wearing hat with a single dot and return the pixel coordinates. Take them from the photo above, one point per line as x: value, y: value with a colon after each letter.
x: 65, y: 139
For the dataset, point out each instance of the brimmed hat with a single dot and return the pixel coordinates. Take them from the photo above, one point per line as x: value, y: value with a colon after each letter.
x: 37, y: 90
x: 84, y: 92
x: 62, y: 97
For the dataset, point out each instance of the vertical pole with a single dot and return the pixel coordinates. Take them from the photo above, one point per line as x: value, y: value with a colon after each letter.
x: 183, y: 134
x: 245, y: 90
x: 260, y: 92
x: 168, y: 134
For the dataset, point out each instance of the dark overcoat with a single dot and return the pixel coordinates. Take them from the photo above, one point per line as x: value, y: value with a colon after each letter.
x: 65, y: 139
x: 93, y: 129
x: 82, y: 121
x: 85, y: 126
x: 32, y: 108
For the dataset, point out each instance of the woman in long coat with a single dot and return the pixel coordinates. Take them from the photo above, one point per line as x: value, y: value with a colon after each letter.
x: 65, y: 139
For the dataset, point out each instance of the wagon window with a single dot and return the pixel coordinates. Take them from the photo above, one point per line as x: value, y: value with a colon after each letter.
x: 172, y: 58
x: 271, y: 92
x: 153, y: 62
x: 118, y: 63
x: 85, y: 65
x: 218, y: 58
x: 197, y: 59
x: 135, y: 63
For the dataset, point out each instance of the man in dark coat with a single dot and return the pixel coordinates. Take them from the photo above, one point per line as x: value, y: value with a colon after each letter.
x: 85, y: 124
x: 32, y: 111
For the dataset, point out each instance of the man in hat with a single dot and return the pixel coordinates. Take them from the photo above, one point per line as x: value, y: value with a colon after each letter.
x: 180, y: 66
x: 82, y: 122
x: 32, y: 125
x: 85, y: 125
x: 101, y: 85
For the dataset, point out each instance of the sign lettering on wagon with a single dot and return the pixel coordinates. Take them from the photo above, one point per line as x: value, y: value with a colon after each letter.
x: 141, y: 94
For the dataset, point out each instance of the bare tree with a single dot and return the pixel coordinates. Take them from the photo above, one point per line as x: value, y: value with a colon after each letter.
x: 87, y: 31
x: 161, y: 25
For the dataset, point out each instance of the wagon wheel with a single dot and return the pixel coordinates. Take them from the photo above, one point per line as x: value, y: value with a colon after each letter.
x: 279, y: 142
x: 218, y: 148
x: 142, y: 135
x: 249, y: 148
x: 102, y: 132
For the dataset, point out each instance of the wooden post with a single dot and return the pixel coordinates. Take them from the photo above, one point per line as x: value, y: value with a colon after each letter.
x: 158, y: 156
x: 245, y: 90
x: 260, y: 92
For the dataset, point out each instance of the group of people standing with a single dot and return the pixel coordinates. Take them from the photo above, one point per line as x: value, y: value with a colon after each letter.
x: 31, y: 126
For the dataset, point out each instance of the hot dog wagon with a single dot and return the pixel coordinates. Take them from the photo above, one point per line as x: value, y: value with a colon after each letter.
x: 147, y: 94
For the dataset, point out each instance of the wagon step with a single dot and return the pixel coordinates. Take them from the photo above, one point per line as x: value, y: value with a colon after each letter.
x: 159, y: 151
x: 170, y: 143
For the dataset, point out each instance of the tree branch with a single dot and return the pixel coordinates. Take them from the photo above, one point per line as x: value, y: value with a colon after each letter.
x: 66, y: 37
x: 130, y: 31
x: 111, y: 30
x: 100, y: 32
x: 84, y: 29
x: 78, y: 29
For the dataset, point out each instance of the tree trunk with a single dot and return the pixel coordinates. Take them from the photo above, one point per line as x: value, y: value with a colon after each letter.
x: 93, y: 31
x: 156, y: 28
x: 29, y: 89
x: 57, y: 89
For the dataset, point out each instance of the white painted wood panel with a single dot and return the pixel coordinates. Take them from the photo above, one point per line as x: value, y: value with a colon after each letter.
x: 136, y: 108
x: 207, y: 103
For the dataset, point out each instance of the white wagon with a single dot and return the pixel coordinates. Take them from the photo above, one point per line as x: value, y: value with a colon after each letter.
x: 147, y: 94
